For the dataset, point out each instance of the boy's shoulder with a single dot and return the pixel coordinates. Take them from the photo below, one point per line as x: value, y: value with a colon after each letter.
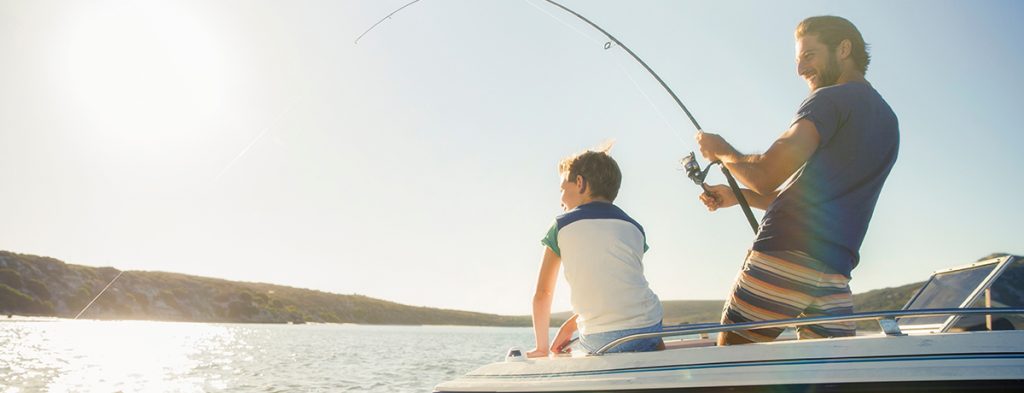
x: 594, y: 211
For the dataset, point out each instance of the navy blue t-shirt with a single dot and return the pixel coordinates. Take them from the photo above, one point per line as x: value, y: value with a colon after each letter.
x: 825, y: 208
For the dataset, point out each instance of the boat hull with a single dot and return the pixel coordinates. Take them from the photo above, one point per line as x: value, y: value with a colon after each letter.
x: 970, y: 361
x: 875, y: 387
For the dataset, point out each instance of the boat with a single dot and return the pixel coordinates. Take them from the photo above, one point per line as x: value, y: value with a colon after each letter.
x: 960, y: 332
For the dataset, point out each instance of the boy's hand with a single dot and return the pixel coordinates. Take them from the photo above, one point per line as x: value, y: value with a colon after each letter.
x: 560, y: 346
x: 537, y: 353
x: 718, y: 196
x: 561, y: 342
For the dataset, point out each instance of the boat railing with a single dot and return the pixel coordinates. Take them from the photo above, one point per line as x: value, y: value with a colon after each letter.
x: 886, y: 320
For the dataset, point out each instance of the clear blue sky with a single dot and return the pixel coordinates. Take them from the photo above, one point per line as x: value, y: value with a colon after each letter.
x: 252, y: 140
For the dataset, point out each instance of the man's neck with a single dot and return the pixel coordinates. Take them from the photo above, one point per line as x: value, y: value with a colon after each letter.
x: 852, y: 76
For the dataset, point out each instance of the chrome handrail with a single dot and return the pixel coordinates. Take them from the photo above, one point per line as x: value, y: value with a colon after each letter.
x: 874, y: 315
x: 689, y: 326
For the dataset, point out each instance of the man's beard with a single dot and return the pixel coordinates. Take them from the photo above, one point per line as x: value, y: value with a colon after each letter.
x: 830, y: 75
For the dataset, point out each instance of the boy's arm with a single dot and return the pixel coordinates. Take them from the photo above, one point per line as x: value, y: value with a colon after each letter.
x: 542, y: 301
x: 564, y: 335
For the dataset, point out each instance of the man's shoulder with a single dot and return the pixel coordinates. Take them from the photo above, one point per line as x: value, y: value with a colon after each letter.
x: 843, y: 98
x: 845, y: 91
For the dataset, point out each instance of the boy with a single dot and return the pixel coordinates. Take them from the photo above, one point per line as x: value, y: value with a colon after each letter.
x: 602, y: 249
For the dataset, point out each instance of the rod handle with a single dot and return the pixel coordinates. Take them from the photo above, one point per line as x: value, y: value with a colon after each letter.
x: 740, y: 198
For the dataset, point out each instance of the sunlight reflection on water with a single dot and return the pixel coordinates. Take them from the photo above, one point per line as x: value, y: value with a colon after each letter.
x: 133, y: 356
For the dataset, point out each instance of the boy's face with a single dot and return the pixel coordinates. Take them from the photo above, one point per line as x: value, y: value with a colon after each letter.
x: 572, y: 195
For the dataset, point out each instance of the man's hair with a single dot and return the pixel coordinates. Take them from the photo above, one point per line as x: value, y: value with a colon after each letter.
x: 832, y: 30
x: 600, y: 172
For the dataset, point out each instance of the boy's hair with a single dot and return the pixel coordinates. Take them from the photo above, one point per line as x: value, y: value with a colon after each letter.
x: 831, y: 31
x: 600, y: 172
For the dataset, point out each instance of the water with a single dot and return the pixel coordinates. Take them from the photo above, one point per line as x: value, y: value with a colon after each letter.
x: 50, y: 355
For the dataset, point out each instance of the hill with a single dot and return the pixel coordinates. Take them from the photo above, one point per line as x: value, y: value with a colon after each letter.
x: 34, y: 285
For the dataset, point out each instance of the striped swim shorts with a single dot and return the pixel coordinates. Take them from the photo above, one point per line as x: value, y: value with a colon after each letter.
x: 784, y: 285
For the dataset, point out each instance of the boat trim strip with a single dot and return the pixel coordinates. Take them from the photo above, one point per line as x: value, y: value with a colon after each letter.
x: 755, y: 363
x: 866, y: 316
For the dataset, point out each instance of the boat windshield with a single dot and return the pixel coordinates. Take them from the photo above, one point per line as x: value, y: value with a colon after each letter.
x: 1007, y: 291
x: 954, y: 288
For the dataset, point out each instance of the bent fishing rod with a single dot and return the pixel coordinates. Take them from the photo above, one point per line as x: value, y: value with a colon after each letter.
x: 689, y: 162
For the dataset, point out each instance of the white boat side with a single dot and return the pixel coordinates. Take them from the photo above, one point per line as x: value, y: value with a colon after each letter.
x: 877, y: 359
x: 927, y: 346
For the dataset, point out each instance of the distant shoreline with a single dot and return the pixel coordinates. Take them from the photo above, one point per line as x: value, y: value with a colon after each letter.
x: 30, y: 318
x: 34, y: 286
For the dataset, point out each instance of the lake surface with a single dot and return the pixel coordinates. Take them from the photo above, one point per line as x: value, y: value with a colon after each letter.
x: 52, y: 355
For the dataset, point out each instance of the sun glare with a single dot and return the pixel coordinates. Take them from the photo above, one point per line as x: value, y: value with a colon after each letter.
x: 141, y: 72
x: 123, y: 355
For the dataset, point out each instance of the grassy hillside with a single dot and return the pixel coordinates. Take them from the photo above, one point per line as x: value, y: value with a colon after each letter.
x: 692, y: 311
x: 33, y: 285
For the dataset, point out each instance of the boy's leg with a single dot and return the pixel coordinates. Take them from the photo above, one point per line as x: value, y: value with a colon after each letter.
x: 593, y: 342
x: 772, y: 286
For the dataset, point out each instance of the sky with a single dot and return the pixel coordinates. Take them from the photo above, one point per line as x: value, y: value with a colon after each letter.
x: 256, y: 141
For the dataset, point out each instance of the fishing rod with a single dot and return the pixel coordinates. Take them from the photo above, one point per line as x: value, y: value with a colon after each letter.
x: 385, y: 18
x: 689, y: 162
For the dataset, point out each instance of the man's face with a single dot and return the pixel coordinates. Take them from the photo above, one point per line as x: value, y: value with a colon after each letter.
x: 816, y: 63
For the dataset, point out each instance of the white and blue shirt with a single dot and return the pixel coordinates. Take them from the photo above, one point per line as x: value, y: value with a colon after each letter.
x: 602, y: 250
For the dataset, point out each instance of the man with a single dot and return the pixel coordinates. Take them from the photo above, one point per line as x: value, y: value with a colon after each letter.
x: 836, y: 154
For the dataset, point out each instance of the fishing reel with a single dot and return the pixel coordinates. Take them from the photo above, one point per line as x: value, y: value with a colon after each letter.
x: 693, y: 171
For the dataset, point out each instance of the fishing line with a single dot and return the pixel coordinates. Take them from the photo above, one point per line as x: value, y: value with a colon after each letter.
x: 671, y: 130
x: 99, y: 294
x: 635, y: 57
x: 618, y: 63
x: 566, y: 24
x: 256, y: 139
x: 689, y: 163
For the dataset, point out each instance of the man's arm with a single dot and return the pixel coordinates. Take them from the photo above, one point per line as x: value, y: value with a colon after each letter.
x: 721, y: 196
x: 546, y: 281
x: 764, y: 173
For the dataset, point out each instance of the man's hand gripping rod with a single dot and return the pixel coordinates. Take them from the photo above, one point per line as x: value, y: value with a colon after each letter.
x: 694, y: 172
